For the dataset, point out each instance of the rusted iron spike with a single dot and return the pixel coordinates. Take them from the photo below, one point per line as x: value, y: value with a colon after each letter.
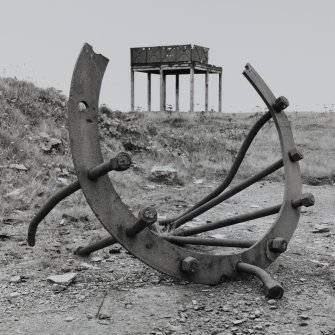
x: 227, y: 222
x: 215, y: 242
x: 233, y: 170
x: 103, y: 243
x: 228, y: 194
x: 47, y: 207
x: 273, y: 290
x: 119, y: 163
x: 307, y: 200
x: 146, y: 217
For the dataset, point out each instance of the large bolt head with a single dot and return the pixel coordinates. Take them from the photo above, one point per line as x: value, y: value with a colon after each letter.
x: 280, y: 104
x: 278, y: 245
x: 295, y: 155
x: 307, y: 200
x: 148, y: 215
x: 123, y: 161
x: 190, y: 265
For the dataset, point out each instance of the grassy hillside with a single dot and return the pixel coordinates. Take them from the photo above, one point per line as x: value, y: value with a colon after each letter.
x: 205, y: 145
x: 33, y: 135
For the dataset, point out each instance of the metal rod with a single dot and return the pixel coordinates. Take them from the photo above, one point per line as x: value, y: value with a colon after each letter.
x: 105, y: 242
x: 233, y: 170
x: 226, y: 195
x: 110, y: 240
x: 120, y: 162
x: 101, y: 169
x: 146, y: 217
x: 216, y: 242
x: 273, y: 290
x: 306, y: 199
x: 227, y: 222
x: 47, y: 207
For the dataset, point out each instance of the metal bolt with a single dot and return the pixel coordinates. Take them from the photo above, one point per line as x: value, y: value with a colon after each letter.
x: 123, y: 161
x: 146, y: 217
x: 82, y: 106
x: 190, y: 265
x: 120, y: 162
x: 307, y: 200
x: 278, y: 245
x: 295, y: 155
x: 280, y: 104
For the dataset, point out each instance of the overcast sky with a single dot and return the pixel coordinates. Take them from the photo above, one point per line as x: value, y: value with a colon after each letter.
x: 289, y: 42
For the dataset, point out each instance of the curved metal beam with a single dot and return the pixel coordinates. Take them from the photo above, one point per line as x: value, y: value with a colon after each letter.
x: 117, y: 218
x: 101, y: 196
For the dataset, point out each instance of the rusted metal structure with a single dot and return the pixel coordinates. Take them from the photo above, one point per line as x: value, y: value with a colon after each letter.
x: 169, y: 252
x: 173, y: 60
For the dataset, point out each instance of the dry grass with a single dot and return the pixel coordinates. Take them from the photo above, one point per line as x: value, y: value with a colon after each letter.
x: 205, y: 145
x: 314, y: 134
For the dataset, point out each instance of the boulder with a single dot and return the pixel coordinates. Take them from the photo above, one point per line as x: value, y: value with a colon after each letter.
x: 163, y: 174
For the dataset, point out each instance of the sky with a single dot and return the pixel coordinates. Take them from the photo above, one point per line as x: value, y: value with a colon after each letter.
x: 289, y: 42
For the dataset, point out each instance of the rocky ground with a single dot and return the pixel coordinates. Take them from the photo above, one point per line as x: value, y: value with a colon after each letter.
x: 113, y: 292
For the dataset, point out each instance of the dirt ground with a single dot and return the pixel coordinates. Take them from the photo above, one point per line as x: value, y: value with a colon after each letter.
x: 114, y: 293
